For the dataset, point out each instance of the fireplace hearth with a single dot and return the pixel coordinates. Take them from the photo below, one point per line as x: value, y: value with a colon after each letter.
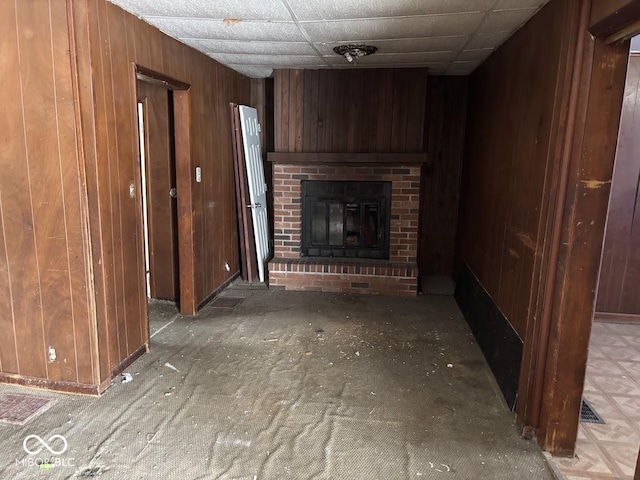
x: 345, y: 219
x: 346, y: 223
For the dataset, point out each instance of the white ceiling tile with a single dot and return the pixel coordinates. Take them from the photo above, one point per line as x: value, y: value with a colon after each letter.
x: 253, y: 71
x: 452, y: 36
x: 487, y: 40
x: 412, y: 58
x: 281, y: 60
x: 474, y: 55
x: 244, y: 10
x: 433, y: 68
x: 505, y: 20
x: 264, y: 47
x: 402, y: 45
x: 514, y: 4
x: 248, y: 31
x: 340, y: 9
x: 407, y: 27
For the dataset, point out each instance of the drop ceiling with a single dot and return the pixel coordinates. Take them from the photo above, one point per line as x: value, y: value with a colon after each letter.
x: 254, y: 37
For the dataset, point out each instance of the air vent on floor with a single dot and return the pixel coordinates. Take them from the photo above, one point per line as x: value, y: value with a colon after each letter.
x: 588, y: 414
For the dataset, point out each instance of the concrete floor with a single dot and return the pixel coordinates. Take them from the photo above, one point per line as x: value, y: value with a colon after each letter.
x: 293, y: 385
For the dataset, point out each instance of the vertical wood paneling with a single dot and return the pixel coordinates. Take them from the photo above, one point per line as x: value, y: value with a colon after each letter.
x: 119, y: 40
x: 620, y: 271
x: 444, y: 142
x: 350, y: 110
x: 509, y: 161
x: 385, y: 111
x: 9, y: 352
x: 44, y: 172
x: 73, y: 193
x: 21, y: 317
x: 44, y: 283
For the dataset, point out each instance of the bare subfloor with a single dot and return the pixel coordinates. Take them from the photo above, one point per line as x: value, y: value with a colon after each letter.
x: 292, y: 385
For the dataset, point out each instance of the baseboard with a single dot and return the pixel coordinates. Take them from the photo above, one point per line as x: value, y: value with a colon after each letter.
x: 499, y: 342
x: 215, y: 293
x: 606, y: 317
x: 46, y: 384
x: 122, y: 366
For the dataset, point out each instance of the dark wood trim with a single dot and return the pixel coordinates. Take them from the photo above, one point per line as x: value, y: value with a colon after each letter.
x: 160, y: 79
x: 556, y: 215
x: 637, y: 475
x: 186, y: 240
x: 592, y: 153
x: 46, y: 384
x: 137, y: 353
x: 606, y: 317
x: 619, y: 25
x: 347, y: 158
x: 182, y: 134
x: 215, y: 293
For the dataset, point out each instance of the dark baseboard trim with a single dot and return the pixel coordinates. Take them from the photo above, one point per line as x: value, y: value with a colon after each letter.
x: 499, y: 342
x: 607, y: 317
x: 137, y: 353
x: 46, y: 384
x: 215, y: 293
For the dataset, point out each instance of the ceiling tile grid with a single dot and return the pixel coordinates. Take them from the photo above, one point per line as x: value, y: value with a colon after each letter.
x: 254, y: 37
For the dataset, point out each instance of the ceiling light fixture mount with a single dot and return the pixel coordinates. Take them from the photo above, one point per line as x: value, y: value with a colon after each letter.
x: 354, y: 51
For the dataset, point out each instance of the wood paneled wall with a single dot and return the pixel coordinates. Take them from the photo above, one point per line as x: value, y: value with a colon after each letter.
x: 338, y: 111
x: 116, y: 40
x: 509, y: 157
x: 444, y: 128
x: 384, y: 111
x: 620, y: 270
x: 71, y: 255
x: 540, y: 143
x: 44, y: 270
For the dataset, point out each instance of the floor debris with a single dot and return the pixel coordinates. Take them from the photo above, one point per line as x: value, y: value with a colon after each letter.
x: 242, y: 409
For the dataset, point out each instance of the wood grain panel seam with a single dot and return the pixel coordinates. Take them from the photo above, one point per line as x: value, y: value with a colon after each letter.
x: 83, y: 186
x: 64, y: 207
x: 120, y: 251
x: 13, y: 315
x: 26, y: 150
x: 107, y: 291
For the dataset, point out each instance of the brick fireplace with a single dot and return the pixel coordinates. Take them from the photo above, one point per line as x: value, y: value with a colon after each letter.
x: 343, y: 269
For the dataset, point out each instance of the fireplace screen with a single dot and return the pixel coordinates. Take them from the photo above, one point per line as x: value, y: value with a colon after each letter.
x: 346, y: 219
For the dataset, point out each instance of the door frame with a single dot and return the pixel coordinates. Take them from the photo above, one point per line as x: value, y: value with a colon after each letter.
x: 182, y: 137
x: 564, y: 327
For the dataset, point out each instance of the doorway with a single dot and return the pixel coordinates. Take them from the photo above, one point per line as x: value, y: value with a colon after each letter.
x: 159, y: 191
x: 165, y: 181
x: 609, y: 430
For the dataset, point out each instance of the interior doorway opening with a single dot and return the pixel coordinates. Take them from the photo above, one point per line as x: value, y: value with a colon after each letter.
x: 164, y: 180
x: 159, y: 191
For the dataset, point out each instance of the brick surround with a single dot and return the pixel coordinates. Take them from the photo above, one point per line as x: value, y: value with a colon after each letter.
x: 396, y: 276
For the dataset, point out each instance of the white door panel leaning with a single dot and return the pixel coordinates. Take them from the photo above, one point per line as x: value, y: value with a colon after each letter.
x: 257, y: 185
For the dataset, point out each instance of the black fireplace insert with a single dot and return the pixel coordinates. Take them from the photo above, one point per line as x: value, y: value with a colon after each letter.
x: 346, y: 219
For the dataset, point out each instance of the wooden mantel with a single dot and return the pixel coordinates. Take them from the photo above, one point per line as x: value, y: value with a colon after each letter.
x: 347, y: 158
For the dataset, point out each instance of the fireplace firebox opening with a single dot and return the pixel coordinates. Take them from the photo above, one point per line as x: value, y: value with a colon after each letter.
x: 346, y: 219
